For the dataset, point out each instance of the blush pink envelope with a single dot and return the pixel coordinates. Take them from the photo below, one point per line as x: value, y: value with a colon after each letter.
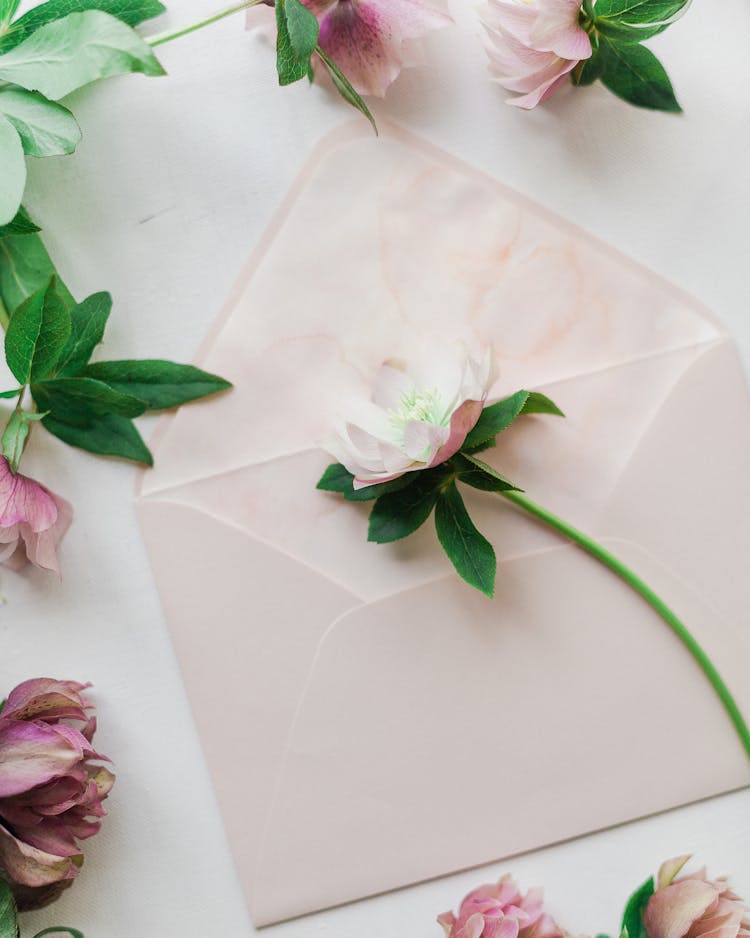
x: 368, y: 719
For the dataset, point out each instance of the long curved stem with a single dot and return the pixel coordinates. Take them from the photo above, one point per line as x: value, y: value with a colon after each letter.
x: 168, y: 37
x: 644, y: 590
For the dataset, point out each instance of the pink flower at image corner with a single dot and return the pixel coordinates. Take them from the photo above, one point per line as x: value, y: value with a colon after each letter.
x: 533, y: 45
x: 51, y: 787
x: 500, y: 910
x: 33, y: 521
x: 693, y: 905
x: 372, y: 40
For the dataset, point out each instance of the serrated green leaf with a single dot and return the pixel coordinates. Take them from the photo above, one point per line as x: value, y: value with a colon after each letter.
x: 9, y: 395
x: 13, y: 176
x: 60, y: 930
x: 46, y: 128
x: 25, y: 268
x: 633, y: 73
x: 38, y: 332
x: 398, y: 514
x: 632, y: 920
x: 338, y: 479
x: 638, y: 11
x: 108, y: 435
x: 345, y: 87
x: 480, y: 475
x: 76, y: 400
x: 161, y: 384
x: 290, y: 64
x: 537, y: 403
x: 626, y: 33
x: 74, y: 51
x: 303, y: 29
x: 21, y: 225
x: 131, y: 12
x: 493, y: 420
x: 88, y: 320
x: 470, y: 552
x: 14, y: 439
x: 8, y: 912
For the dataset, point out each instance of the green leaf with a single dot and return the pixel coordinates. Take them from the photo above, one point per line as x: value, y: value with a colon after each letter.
x: 69, y: 53
x: 9, y: 395
x: 7, y: 11
x: 88, y: 320
x: 398, y: 514
x: 21, y: 225
x: 638, y: 11
x: 38, y: 332
x: 345, y: 87
x: 470, y: 552
x: 14, y: 439
x: 13, y: 176
x: 160, y: 384
x: 632, y: 920
x: 25, y: 268
x: 480, y: 475
x: 293, y: 33
x: 633, y: 72
x: 45, y: 127
x: 108, y: 435
x: 8, y: 914
x: 493, y: 420
x: 537, y: 403
x: 131, y: 12
x: 77, y: 400
x: 338, y: 479
x: 60, y: 930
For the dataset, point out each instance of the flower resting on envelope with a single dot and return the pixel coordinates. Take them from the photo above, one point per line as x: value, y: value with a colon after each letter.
x: 409, y: 447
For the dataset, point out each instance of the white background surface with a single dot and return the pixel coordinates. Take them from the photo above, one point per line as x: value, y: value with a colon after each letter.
x: 172, y: 187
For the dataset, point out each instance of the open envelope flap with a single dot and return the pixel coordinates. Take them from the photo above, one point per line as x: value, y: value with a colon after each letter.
x: 441, y: 731
x: 386, y: 241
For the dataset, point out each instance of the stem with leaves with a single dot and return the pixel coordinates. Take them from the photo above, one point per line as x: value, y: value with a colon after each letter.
x: 168, y: 37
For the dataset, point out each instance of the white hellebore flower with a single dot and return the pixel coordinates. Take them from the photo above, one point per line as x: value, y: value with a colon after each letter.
x: 419, y: 415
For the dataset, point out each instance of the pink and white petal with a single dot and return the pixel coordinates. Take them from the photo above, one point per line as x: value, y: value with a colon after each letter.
x: 32, y: 754
x: 24, y: 500
x: 542, y: 93
x: 30, y: 866
x: 392, y: 384
x: 412, y: 19
x: 447, y: 920
x: 47, y: 699
x: 518, y: 19
x: 423, y: 440
x: 359, y: 39
x: 462, y: 421
x: 473, y: 927
x: 670, y: 869
x: 670, y: 912
x: 41, y: 547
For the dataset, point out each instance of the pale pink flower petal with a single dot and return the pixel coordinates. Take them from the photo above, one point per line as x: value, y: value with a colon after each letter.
x: 499, y: 910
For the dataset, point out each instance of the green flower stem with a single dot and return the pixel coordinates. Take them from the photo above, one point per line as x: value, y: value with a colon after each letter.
x: 168, y: 37
x: 626, y: 574
x: 4, y: 315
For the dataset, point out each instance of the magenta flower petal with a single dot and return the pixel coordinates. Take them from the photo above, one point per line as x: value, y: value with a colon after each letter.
x: 32, y: 754
x: 48, y: 699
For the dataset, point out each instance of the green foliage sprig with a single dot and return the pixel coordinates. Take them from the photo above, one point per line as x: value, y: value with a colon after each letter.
x: 49, y: 341
x: 617, y: 29
x: 9, y: 927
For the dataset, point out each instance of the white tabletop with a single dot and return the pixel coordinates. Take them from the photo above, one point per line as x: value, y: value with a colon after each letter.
x: 170, y: 190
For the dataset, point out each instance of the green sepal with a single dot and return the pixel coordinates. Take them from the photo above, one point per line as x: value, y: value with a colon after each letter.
x: 345, y: 88
x: 470, y: 552
x: 396, y: 515
x: 161, y: 384
x: 632, y: 919
x: 338, y: 479
x: 480, y: 475
x: 107, y: 435
x: 633, y: 73
x: 8, y: 913
x: 38, y: 332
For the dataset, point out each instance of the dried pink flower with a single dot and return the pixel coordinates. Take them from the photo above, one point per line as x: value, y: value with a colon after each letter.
x: 51, y: 792
x: 501, y: 911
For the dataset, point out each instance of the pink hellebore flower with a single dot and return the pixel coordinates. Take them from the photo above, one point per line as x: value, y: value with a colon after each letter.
x: 501, y: 911
x: 694, y: 906
x: 534, y: 45
x: 51, y: 794
x: 372, y: 40
x: 419, y: 415
x: 33, y: 521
